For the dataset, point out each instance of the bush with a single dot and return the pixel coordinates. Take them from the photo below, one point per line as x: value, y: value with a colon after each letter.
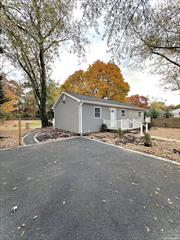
x: 147, y: 140
x: 50, y: 124
x: 103, y: 127
x: 120, y: 133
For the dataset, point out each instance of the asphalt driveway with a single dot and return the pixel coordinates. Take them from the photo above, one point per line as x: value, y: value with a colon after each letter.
x: 82, y: 190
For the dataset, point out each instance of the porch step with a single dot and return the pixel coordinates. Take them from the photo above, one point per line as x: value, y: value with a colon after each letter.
x: 133, y: 130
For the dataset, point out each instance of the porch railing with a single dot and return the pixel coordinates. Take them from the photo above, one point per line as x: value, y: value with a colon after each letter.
x: 125, y: 124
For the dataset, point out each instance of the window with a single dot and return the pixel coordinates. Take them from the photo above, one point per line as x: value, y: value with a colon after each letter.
x: 97, y: 112
x: 123, y: 112
x: 139, y: 114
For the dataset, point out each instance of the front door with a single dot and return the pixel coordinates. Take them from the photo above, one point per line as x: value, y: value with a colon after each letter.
x: 113, y: 117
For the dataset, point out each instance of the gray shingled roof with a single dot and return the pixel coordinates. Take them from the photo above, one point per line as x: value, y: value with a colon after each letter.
x: 104, y: 101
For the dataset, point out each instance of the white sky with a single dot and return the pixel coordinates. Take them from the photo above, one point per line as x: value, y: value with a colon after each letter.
x: 142, y: 83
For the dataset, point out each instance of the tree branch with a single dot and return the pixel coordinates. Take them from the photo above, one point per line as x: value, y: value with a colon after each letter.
x: 168, y: 59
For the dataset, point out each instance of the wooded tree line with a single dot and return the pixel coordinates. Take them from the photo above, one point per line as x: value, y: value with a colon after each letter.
x: 18, y: 98
x: 103, y: 80
x: 139, y: 31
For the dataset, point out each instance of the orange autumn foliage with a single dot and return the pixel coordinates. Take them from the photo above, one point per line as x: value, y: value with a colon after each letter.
x: 102, y: 80
x: 139, y: 101
x: 10, y: 90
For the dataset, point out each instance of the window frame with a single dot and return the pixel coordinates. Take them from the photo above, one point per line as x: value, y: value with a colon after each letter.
x: 140, y: 114
x: 99, y: 112
x: 124, y: 113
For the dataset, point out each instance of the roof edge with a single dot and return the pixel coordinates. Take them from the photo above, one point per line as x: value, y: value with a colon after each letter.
x: 67, y: 94
x: 115, y: 105
x: 96, y: 103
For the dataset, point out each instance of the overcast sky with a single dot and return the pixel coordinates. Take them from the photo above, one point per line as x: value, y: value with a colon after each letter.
x: 142, y: 83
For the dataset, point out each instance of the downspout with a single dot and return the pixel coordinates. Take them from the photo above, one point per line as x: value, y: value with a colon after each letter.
x: 80, y: 118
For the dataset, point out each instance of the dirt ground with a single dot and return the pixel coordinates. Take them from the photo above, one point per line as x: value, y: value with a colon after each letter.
x: 9, y: 132
x: 161, y: 148
x: 171, y: 133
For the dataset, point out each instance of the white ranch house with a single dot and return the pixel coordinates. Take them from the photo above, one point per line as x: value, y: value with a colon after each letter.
x: 83, y: 114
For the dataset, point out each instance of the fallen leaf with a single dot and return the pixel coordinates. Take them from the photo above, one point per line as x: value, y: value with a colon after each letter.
x: 35, y: 217
x: 169, y: 201
x: 14, y: 209
x: 133, y: 183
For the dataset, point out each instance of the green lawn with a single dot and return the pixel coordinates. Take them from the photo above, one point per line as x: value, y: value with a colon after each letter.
x: 34, y: 124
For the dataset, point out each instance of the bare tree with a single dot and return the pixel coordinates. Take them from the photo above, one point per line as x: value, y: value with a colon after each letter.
x: 32, y: 32
x: 143, y: 31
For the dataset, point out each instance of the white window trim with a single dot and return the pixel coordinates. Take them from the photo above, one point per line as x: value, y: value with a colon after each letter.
x: 100, y: 112
x: 125, y: 112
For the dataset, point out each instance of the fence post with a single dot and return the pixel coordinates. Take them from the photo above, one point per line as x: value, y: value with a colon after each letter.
x: 146, y: 127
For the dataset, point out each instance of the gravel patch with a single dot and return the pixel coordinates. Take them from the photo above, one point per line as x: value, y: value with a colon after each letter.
x: 160, y: 148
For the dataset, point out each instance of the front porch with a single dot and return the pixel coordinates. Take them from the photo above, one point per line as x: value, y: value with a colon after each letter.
x: 124, y: 124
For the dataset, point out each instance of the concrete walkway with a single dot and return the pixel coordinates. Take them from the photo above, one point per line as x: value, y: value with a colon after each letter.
x: 29, y: 138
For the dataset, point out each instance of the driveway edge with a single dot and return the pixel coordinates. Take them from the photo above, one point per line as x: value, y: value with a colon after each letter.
x: 35, y: 138
x: 134, y: 151
x: 40, y: 143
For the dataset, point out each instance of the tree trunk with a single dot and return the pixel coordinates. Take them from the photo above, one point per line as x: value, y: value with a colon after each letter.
x: 43, y: 114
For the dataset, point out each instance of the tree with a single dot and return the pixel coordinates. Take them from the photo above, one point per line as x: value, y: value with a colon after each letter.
x: 143, y: 30
x: 53, y: 91
x: 102, y: 80
x: 158, y: 105
x: 11, y: 89
x: 3, y: 98
x: 153, y: 113
x: 32, y: 32
x: 167, y: 113
x: 139, y: 101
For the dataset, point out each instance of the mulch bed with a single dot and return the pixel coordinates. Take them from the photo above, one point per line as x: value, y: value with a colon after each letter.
x: 10, y: 138
x: 160, y: 148
x: 48, y: 133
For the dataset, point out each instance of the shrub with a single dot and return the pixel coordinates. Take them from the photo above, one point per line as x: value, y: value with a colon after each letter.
x: 147, y: 140
x: 103, y: 127
x: 120, y: 132
x: 50, y: 124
